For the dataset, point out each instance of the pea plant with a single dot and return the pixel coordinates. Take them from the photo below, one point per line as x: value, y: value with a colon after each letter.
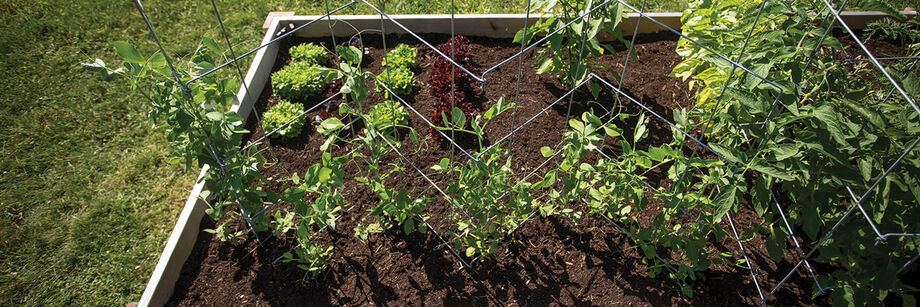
x: 616, y: 187
x: 202, y: 130
x: 830, y: 134
x: 493, y: 203
x: 323, y: 181
x: 395, y: 208
x: 567, y: 43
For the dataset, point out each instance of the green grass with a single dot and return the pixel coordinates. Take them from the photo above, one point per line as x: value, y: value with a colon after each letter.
x: 87, y: 196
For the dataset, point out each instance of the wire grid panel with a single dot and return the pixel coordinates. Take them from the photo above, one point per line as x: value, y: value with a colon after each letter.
x: 677, y: 189
x: 459, y: 208
x: 855, y: 202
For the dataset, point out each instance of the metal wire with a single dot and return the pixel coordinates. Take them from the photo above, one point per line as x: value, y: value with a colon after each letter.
x: 517, y: 87
x: 581, y: 53
x: 747, y: 261
x: 798, y: 247
x: 857, y: 201
x: 425, y: 119
x: 426, y: 43
x: 188, y: 92
x: 272, y: 41
x: 540, y: 41
x: 872, y: 57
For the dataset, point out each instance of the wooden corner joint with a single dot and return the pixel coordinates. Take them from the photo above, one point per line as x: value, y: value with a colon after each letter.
x: 271, y: 16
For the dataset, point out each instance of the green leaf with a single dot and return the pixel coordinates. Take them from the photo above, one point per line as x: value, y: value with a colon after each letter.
x: 351, y: 54
x: 324, y: 174
x: 657, y: 153
x: 613, y: 131
x: 519, y: 36
x: 760, y: 196
x: 408, y: 226
x: 827, y: 115
x: 640, y: 129
x: 442, y: 166
x: 215, y: 116
x: 470, y: 251
x: 157, y: 60
x: 595, y: 89
x: 882, y: 6
x: 330, y: 125
x: 776, y: 242
x: 729, y: 153
x: 211, y: 45
x: 885, y: 278
x: 548, y: 181
x: 771, y: 170
x: 128, y: 53
x: 724, y: 202
x: 459, y: 119
x: 545, y: 65
x: 577, y: 125
x: 784, y: 151
x: 358, y: 89
x: 546, y: 151
x: 686, y: 290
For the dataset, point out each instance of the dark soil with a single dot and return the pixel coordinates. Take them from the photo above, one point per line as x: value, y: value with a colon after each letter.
x: 548, y: 261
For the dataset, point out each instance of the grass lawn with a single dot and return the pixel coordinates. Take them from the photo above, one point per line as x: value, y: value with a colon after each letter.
x: 86, y: 194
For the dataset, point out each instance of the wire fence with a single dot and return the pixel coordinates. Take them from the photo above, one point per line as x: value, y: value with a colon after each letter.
x: 697, y: 142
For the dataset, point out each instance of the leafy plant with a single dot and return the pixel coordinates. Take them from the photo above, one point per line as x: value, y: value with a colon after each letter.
x: 889, y: 29
x: 309, y: 54
x: 388, y: 116
x: 567, y: 52
x: 477, y: 125
x: 401, y: 56
x: 395, y: 208
x: 831, y: 133
x: 450, y: 93
x: 282, y: 113
x: 486, y: 190
x: 202, y: 130
x: 309, y: 257
x: 616, y: 188
x: 400, y: 80
x: 298, y: 81
x: 351, y: 79
x: 323, y: 180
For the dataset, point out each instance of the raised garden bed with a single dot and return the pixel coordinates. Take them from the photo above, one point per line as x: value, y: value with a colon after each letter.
x: 546, y: 261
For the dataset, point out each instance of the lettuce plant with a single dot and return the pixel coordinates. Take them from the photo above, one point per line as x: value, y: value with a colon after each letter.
x: 310, y: 54
x: 298, y: 81
x: 450, y: 92
x: 280, y: 114
x: 399, y: 79
x: 401, y: 56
